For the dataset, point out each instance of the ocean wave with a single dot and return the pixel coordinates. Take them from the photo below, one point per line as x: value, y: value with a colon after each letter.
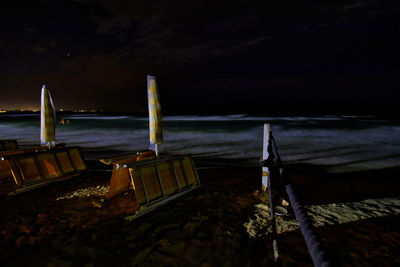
x: 342, y: 145
x: 95, y: 117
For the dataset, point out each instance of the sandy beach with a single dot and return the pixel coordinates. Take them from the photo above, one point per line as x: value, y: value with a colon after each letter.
x: 222, y: 223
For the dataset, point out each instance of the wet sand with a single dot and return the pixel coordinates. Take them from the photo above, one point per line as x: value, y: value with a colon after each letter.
x: 69, y: 224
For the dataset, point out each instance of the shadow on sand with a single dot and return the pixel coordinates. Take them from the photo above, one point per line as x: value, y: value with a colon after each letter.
x: 316, y: 186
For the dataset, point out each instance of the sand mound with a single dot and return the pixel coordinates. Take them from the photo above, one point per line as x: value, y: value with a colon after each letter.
x: 259, y: 224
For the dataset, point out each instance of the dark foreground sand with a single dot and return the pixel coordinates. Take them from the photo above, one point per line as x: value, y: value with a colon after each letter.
x: 220, y: 224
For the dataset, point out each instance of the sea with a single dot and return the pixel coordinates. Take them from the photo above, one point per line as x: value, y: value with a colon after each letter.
x: 338, y: 143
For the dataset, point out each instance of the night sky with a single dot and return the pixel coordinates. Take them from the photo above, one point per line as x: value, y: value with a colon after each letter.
x: 215, y: 56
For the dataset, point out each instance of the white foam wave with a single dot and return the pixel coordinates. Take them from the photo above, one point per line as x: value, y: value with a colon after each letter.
x: 95, y: 117
x: 239, y: 117
x: 342, y: 149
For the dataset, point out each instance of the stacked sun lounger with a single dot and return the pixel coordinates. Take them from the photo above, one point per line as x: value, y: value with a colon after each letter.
x: 153, y: 180
x: 23, y: 170
x: 158, y: 181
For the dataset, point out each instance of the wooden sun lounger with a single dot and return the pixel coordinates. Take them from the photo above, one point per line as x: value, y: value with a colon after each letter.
x: 154, y: 181
x: 120, y: 178
x: 158, y: 181
x: 24, y: 170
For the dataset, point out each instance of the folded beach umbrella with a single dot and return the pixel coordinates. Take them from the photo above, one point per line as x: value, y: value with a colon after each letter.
x: 155, y: 119
x: 47, y: 119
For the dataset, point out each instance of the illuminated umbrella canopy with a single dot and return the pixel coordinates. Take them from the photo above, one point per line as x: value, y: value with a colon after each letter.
x: 155, y: 118
x: 47, y: 119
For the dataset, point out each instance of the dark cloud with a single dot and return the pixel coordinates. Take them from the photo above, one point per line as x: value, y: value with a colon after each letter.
x: 208, y: 55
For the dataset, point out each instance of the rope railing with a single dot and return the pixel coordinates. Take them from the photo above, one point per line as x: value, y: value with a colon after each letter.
x: 311, y: 237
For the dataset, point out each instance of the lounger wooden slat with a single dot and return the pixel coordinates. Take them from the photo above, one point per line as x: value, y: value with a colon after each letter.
x: 49, y: 165
x: 76, y: 157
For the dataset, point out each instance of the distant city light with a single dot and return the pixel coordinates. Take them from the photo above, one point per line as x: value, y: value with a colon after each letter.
x: 19, y: 110
x: 85, y: 110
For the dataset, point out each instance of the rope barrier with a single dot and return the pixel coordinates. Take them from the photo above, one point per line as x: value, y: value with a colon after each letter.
x: 310, y: 235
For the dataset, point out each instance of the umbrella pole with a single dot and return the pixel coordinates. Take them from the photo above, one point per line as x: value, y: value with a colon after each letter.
x: 156, y: 149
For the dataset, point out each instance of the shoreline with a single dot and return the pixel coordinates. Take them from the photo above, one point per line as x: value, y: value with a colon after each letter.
x: 350, y: 113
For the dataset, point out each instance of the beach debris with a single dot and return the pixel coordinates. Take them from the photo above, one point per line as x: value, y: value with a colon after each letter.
x: 260, y: 222
x: 64, y: 121
x: 92, y: 191
x: 97, y: 204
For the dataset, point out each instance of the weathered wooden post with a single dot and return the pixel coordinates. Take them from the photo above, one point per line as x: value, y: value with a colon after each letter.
x: 267, y: 163
x: 266, y: 155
